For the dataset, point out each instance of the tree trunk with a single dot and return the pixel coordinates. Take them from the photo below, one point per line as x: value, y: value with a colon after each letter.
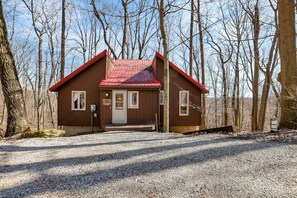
x: 191, y: 40
x: 225, y: 97
x: 256, y: 24
x: 235, y: 95
x: 166, y: 68
x: 124, y: 41
x: 39, y: 81
x: 16, y: 111
x: 267, y: 82
x: 288, y: 75
x: 216, y: 108
x: 62, y: 69
x: 3, y: 112
x: 203, y: 102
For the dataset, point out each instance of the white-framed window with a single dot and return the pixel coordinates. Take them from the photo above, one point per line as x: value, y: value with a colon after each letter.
x: 78, y: 100
x: 133, y: 99
x: 183, y: 103
x: 161, y: 97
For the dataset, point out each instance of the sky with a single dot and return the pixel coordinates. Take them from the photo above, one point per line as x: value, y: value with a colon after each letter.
x: 77, y: 17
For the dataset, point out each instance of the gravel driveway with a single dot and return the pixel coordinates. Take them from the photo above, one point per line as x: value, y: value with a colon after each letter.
x: 142, y: 164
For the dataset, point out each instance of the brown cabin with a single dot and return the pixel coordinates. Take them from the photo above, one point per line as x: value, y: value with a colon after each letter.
x: 105, y: 94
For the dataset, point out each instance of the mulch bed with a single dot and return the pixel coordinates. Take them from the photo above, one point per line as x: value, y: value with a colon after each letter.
x: 289, y: 136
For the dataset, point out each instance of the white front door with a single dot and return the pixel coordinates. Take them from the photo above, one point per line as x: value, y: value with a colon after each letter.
x: 119, y: 107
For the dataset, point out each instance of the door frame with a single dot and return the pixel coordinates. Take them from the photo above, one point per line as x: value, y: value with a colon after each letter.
x: 122, y: 114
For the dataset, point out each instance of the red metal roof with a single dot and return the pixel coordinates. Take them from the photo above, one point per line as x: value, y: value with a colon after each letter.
x: 78, y: 70
x: 131, y: 73
x: 128, y: 73
x: 173, y: 66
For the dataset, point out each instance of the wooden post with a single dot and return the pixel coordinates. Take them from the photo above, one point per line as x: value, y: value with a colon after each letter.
x: 156, y: 122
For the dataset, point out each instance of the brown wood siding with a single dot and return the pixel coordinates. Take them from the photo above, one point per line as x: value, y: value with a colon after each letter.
x: 148, y: 107
x: 177, y: 83
x: 88, y: 81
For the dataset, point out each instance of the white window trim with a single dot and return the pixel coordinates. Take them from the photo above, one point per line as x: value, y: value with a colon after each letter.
x: 130, y: 106
x: 72, y: 106
x: 179, y: 102
x: 161, y: 103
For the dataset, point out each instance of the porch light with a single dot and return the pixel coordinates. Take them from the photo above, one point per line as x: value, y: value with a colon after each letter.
x: 106, y: 94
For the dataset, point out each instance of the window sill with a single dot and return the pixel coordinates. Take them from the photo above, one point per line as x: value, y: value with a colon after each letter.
x: 183, y: 115
x: 78, y: 109
x: 133, y: 108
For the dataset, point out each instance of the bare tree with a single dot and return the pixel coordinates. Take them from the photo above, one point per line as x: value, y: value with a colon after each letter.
x: 125, y: 4
x: 51, y: 68
x: 17, y: 117
x: 202, y: 65
x: 145, y: 30
x: 224, y: 52
x: 255, y: 19
x: 270, y: 66
x: 62, y: 69
x: 214, y: 75
x: 191, y: 39
x: 105, y: 26
x: 85, y: 32
x: 39, y: 31
x: 166, y: 67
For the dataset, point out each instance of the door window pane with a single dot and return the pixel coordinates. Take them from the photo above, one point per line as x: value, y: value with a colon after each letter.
x: 119, y: 101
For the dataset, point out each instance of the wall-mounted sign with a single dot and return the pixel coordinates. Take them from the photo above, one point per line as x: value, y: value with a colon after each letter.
x: 106, y: 102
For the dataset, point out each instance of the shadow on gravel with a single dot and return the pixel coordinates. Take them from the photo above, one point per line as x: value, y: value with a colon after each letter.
x: 13, y: 148
x: 48, y: 183
x: 45, y: 165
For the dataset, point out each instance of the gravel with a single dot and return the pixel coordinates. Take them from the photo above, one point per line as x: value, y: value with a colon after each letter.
x: 147, y: 164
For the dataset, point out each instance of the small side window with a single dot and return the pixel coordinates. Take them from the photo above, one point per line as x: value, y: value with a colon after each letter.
x: 78, y: 100
x: 133, y: 97
x: 161, y: 97
x: 183, y: 103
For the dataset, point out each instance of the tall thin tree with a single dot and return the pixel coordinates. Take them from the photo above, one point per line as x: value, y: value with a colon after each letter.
x: 62, y: 69
x: 256, y: 30
x: 254, y: 15
x: 39, y: 29
x: 202, y: 65
x: 191, y: 40
x: 124, y: 41
x: 166, y: 67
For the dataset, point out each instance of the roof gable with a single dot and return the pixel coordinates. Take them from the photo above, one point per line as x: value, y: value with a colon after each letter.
x: 78, y: 70
x: 189, y: 78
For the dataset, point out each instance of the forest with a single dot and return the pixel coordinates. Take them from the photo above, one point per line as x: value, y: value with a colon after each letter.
x: 232, y: 47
